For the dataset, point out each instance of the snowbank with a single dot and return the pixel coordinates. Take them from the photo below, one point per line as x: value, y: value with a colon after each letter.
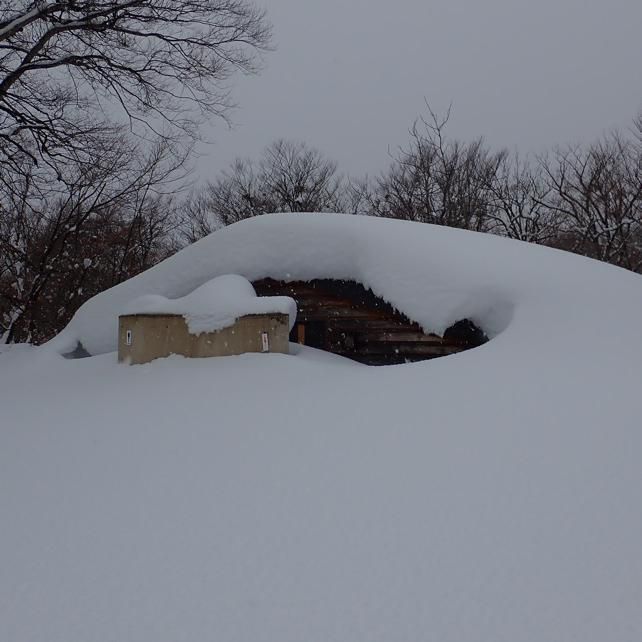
x: 215, y: 305
x: 492, y: 495
x: 435, y: 275
x: 409, y: 265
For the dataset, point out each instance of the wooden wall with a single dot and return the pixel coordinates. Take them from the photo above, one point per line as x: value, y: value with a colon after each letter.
x: 345, y: 318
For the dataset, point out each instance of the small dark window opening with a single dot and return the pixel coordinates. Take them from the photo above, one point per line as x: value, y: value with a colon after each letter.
x: 315, y: 334
x: 310, y: 333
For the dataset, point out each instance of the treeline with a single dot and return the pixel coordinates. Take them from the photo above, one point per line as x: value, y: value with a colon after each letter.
x: 62, y: 241
x: 101, y: 102
x: 99, y: 223
x: 582, y: 198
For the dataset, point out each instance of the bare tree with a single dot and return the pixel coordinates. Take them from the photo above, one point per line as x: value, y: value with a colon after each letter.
x: 288, y: 177
x: 437, y: 180
x: 194, y: 218
x: 637, y: 131
x: 100, y: 102
x: 237, y: 193
x: 63, y: 241
x: 518, y: 207
x: 165, y: 63
x: 298, y: 178
x: 597, y: 193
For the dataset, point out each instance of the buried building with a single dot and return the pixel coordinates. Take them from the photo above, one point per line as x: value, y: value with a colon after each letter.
x: 373, y: 290
x: 337, y: 316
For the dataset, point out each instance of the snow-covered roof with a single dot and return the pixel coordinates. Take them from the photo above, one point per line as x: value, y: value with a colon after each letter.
x: 434, y: 275
x: 216, y: 304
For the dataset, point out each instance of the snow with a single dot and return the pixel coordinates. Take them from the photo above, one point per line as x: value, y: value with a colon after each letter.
x: 215, y: 305
x: 416, y: 270
x: 490, y: 495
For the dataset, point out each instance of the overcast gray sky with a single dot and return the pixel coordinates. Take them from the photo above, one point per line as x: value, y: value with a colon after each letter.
x: 350, y: 76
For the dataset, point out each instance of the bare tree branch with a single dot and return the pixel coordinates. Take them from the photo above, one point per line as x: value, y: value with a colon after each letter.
x: 166, y: 63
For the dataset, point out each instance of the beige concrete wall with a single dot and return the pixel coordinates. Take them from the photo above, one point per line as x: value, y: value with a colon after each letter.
x: 155, y: 336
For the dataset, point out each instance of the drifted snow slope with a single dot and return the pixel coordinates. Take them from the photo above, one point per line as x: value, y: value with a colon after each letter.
x: 416, y: 268
x: 492, y: 495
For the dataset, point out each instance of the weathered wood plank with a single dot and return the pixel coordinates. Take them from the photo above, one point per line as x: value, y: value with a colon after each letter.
x: 414, y: 349
x: 346, y: 318
x: 401, y: 336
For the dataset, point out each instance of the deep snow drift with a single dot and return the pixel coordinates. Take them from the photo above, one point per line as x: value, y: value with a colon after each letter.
x: 420, y: 272
x: 493, y: 495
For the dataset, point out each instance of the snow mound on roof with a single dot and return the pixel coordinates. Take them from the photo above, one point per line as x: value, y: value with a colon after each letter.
x: 215, y: 305
x: 434, y: 275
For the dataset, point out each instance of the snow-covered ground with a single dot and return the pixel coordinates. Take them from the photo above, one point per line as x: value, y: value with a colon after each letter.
x: 493, y: 495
